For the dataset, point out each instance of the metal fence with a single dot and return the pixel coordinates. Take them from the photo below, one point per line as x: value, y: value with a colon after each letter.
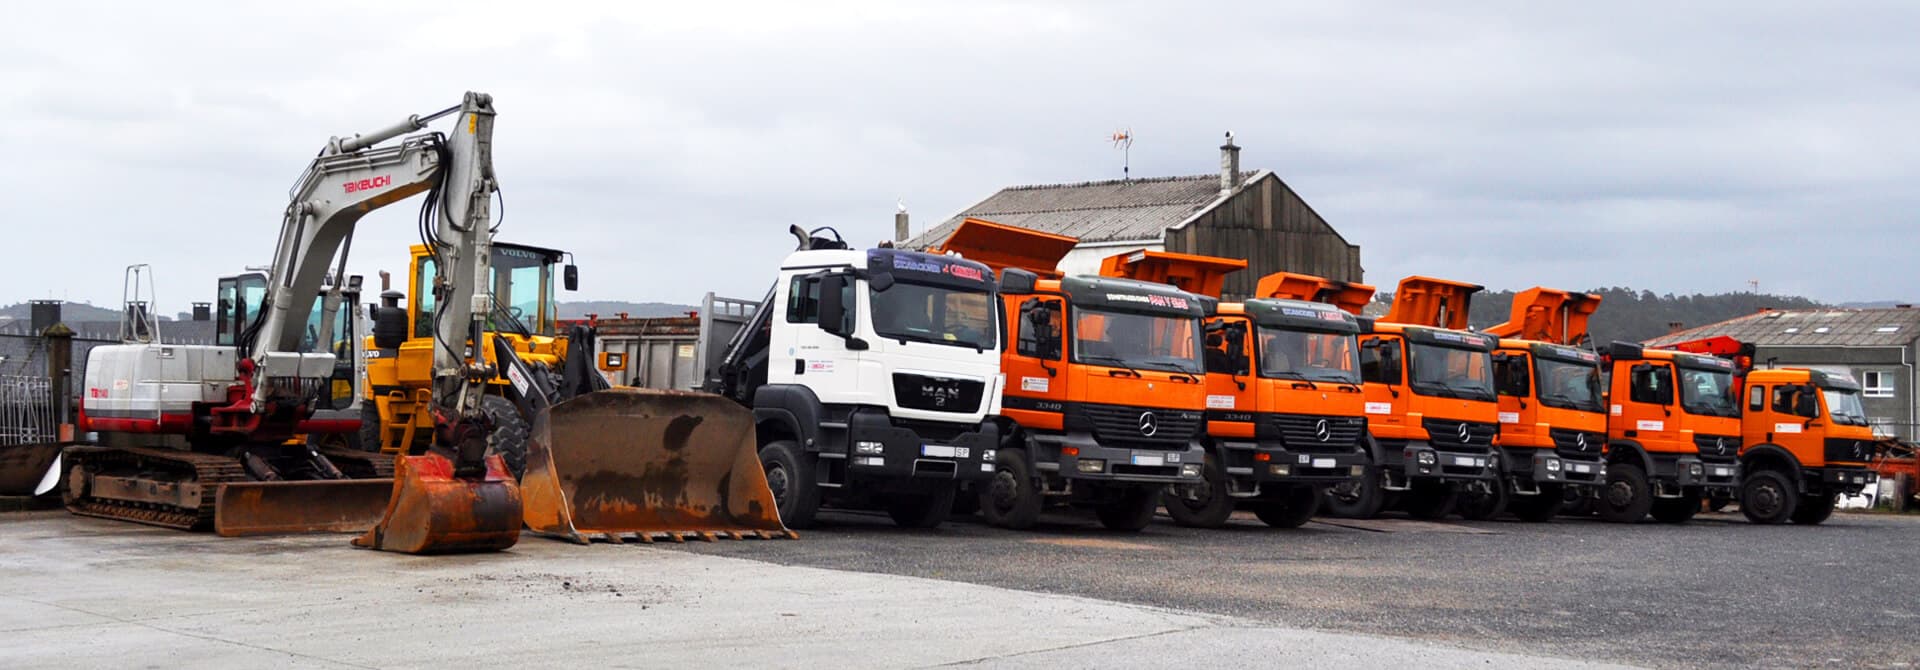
x: 26, y: 410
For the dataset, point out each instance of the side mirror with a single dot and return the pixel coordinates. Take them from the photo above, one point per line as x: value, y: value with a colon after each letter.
x: 1806, y: 404
x: 1015, y: 281
x: 833, y: 313
x: 570, y: 277
x: 880, y: 281
x: 1236, y: 341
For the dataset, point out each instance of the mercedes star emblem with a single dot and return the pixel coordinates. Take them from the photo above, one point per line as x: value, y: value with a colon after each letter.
x: 1149, y: 424
x: 1720, y: 445
x: 1322, y: 430
x: 1580, y: 441
x: 1465, y: 437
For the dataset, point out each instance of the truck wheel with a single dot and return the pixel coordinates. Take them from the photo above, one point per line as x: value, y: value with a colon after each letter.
x: 1132, y: 510
x: 1540, y: 508
x: 1012, y: 498
x: 370, y: 427
x: 1626, y: 497
x: 1431, y: 500
x: 1575, y: 502
x: 1814, y: 509
x: 790, y: 477
x: 1476, y: 506
x: 1676, y: 510
x: 510, y: 431
x: 1767, y: 498
x: 1291, y: 509
x: 1201, y: 505
x: 1357, y: 498
x: 922, y: 510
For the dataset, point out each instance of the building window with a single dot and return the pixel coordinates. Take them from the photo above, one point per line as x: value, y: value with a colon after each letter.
x: 1887, y: 329
x: 1876, y: 384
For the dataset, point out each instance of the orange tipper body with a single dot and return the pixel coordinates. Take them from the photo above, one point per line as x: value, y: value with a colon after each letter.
x: 1106, y: 391
x: 1804, y: 437
x: 1553, y: 417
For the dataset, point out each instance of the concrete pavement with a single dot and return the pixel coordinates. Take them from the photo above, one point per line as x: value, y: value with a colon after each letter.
x: 91, y: 593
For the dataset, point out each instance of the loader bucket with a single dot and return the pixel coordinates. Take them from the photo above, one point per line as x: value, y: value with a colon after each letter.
x: 327, y: 506
x: 647, y: 463
x: 433, y: 512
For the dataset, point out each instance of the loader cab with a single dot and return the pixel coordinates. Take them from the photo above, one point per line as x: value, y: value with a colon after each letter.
x: 525, y: 281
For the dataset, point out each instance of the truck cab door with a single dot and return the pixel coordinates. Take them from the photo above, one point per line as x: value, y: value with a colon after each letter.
x: 1035, y: 364
x: 804, y: 350
x: 1650, y: 414
x: 1233, y: 391
x: 1383, y: 362
x: 1519, y: 409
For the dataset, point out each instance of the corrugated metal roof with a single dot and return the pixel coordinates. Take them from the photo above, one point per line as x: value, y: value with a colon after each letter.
x: 1095, y: 211
x: 1812, y: 328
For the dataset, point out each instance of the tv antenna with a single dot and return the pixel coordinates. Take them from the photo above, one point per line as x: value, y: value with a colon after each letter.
x: 1754, y: 284
x: 1123, y: 140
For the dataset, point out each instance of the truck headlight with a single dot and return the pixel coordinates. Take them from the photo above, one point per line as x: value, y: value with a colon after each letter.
x: 1426, y: 458
x: 1091, y: 465
x: 1193, y: 470
x: 989, y: 455
x: 869, y: 448
x: 1696, y: 469
x: 1493, y: 460
x: 1553, y: 465
x: 1281, y: 470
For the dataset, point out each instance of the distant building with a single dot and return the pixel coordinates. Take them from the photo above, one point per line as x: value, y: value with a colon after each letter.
x: 1878, y: 348
x: 1248, y: 215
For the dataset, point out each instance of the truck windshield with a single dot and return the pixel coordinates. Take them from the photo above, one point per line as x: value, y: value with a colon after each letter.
x: 1131, y: 340
x: 1845, y: 407
x: 1567, y: 385
x: 1708, y: 392
x: 939, y: 315
x: 1309, y: 355
x: 1450, y: 372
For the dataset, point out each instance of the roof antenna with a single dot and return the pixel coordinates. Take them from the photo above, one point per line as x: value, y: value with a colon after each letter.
x: 1123, y: 140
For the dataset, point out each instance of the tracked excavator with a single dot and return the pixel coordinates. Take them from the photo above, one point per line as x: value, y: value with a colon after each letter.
x: 237, y: 405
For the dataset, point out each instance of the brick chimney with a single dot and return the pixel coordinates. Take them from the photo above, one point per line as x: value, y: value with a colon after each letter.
x: 1229, y: 166
x: 203, y: 311
x: 44, y: 313
x: 900, y: 223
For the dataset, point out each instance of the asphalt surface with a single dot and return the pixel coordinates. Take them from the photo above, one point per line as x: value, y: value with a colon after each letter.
x: 1717, y: 592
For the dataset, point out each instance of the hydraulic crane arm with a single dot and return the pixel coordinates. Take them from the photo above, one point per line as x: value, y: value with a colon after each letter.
x: 350, y: 178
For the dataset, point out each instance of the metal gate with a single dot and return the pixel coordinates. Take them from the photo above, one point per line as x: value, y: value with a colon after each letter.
x: 26, y: 410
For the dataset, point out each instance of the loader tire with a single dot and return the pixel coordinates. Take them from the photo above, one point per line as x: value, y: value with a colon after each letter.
x: 1132, y: 510
x: 1768, y: 498
x: 790, y: 476
x: 510, y: 431
x: 1431, y: 500
x: 1539, y: 508
x: 370, y: 427
x: 1012, y: 499
x: 1626, y: 498
x: 922, y: 510
x: 1676, y: 510
x: 1357, y: 498
x: 1201, y: 505
x: 1293, y: 508
x: 1814, y: 509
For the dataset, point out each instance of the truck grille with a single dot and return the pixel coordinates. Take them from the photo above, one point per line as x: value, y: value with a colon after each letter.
x: 1120, y: 425
x: 1446, y: 434
x: 937, y: 394
x: 1843, y: 449
x: 1718, y: 447
x: 1309, y: 433
x: 1570, y: 442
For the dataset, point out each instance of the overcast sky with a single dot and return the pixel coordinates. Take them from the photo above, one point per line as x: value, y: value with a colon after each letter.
x: 1677, y: 147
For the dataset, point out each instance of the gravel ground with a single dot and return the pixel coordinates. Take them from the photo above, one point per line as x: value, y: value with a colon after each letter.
x: 1717, y: 592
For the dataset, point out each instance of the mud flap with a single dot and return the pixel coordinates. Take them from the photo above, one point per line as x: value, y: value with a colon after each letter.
x: 329, y: 506
x: 647, y: 463
x: 432, y: 512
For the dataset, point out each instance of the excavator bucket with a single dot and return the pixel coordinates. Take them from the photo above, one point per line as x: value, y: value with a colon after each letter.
x: 430, y: 511
x: 319, y: 506
x: 646, y: 463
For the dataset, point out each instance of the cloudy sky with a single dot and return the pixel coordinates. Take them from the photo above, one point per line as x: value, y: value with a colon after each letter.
x: 1678, y: 148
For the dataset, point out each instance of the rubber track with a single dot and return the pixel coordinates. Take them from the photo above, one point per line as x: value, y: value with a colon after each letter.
x: 207, y: 469
x: 380, y: 464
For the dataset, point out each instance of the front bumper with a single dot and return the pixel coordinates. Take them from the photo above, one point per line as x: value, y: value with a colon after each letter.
x: 1420, y: 460
x: 882, y: 449
x: 1840, y: 479
x: 1268, y: 462
x: 1690, y: 471
x: 1078, y: 456
x: 1545, y: 466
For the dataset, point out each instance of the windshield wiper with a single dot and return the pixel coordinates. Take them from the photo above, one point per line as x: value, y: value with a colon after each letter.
x: 1295, y: 376
x: 1114, y: 360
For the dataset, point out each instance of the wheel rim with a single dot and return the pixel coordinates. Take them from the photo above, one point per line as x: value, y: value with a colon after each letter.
x: 1619, y: 493
x: 1196, y: 496
x: 1767, y: 499
x: 778, y: 482
x: 1004, y: 491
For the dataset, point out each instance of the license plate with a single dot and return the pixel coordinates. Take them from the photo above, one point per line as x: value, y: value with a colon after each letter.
x: 1582, y: 468
x: 940, y: 451
x: 1722, y: 472
x: 1323, y: 462
x: 1466, y: 461
x: 1154, y: 460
